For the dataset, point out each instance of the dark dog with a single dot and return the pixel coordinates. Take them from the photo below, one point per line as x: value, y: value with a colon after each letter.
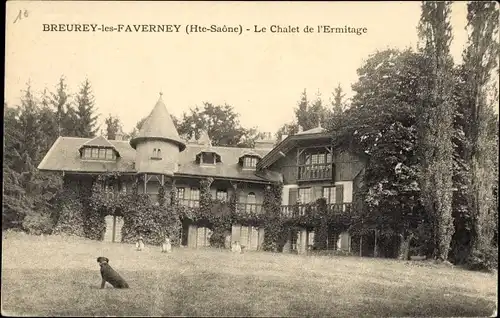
x: 109, y: 275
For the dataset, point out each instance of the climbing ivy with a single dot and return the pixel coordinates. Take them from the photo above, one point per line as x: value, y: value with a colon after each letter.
x: 274, y: 228
x: 71, y: 221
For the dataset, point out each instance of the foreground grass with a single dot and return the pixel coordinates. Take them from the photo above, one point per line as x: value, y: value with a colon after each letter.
x: 60, y: 277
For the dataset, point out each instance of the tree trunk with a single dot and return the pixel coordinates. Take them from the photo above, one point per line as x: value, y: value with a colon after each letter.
x: 375, y: 247
x: 404, y: 247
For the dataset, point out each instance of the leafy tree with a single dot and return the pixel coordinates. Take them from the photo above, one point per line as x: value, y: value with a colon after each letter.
x: 220, y: 121
x: 138, y: 126
x: 113, y: 126
x: 86, y: 125
x: 480, y: 150
x: 381, y: 123
x: 436, y: 124
x: 286, y: 129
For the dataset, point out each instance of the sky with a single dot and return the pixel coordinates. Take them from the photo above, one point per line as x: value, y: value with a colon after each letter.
x: 261, y: 74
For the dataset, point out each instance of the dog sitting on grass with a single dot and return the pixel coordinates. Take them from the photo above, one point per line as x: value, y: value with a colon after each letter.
x: 109, y: 275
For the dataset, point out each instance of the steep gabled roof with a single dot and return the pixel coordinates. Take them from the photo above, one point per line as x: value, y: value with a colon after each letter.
x: 288, y: 144
x: 98, y: 141
x: 64, y: 156
x: 159, y: 126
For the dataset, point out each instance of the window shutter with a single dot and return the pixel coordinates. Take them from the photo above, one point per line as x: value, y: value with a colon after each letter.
x: 333, y: 173
x: 339, y: 193
x: 292, y: 196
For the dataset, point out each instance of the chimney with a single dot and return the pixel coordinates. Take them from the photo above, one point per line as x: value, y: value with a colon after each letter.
x: 300, y: 129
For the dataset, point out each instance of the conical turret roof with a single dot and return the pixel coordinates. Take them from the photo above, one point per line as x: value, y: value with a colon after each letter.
x: 159, y: 126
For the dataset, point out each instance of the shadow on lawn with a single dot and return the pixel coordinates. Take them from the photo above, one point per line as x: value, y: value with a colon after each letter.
x: 204, y: 293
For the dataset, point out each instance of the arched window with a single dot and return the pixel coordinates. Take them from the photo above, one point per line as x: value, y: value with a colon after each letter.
x: 158, y: 153
x: 154, y: 153
x: 250, y: 206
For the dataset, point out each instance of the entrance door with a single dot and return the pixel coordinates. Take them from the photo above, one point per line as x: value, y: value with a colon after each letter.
x: 113, y: 231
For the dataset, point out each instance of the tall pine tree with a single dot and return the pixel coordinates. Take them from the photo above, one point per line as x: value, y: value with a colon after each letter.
x: 301, y: 111
x: 338, y: 105
x: 436, y: 125
x: 61, y: 104
x: 86, y: 125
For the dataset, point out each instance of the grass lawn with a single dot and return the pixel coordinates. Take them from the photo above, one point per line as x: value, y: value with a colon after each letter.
x: 60, y: 276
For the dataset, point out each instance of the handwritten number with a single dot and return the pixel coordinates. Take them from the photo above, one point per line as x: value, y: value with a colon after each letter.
x: 21, y: 14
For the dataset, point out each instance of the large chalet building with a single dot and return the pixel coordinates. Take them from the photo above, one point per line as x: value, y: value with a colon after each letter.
x: 305, y: 163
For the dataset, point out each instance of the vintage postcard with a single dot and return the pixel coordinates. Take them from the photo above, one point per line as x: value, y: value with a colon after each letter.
x: 239, y: 158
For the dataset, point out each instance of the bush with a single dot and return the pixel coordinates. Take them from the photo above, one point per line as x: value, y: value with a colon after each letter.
x: 71, y: 221
x: 483, y: 259
x: 38, y: 223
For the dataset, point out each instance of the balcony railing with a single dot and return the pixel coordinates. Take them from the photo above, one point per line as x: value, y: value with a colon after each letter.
x: 297, y: 210
x: 249, y: 208
x: 315, y: 172
x: 189, y: 203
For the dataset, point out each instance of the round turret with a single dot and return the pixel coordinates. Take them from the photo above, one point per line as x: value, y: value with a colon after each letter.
x: 158, y: 143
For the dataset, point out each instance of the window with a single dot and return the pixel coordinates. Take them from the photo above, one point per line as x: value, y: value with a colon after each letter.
x: 98, y: 153
x: 195, y: 194
x: 250, y: 206
x: 249, y: 162
x: 305, y: 195
x: 329, y: 157
x: 317, y: 158
x: 109, y: 154
x: 180, y: 193
x: 156, y: 153
x: 329, y: 194
x: 221, y: 195
x: 87, y: 153
x: 208, y: 158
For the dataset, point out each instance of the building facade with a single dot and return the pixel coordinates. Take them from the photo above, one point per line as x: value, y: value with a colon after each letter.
x: 305, y: 163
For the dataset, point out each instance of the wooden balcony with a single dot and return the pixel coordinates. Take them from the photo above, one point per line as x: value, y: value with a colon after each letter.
x: 297, y: 210
x: 315, y: 172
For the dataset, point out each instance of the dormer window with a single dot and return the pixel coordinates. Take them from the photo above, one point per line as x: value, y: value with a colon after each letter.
x: 98, y: 149
x: 208, y: 157
x: 249, y: 160
x: 96, y: 153
x: 156, y: 154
